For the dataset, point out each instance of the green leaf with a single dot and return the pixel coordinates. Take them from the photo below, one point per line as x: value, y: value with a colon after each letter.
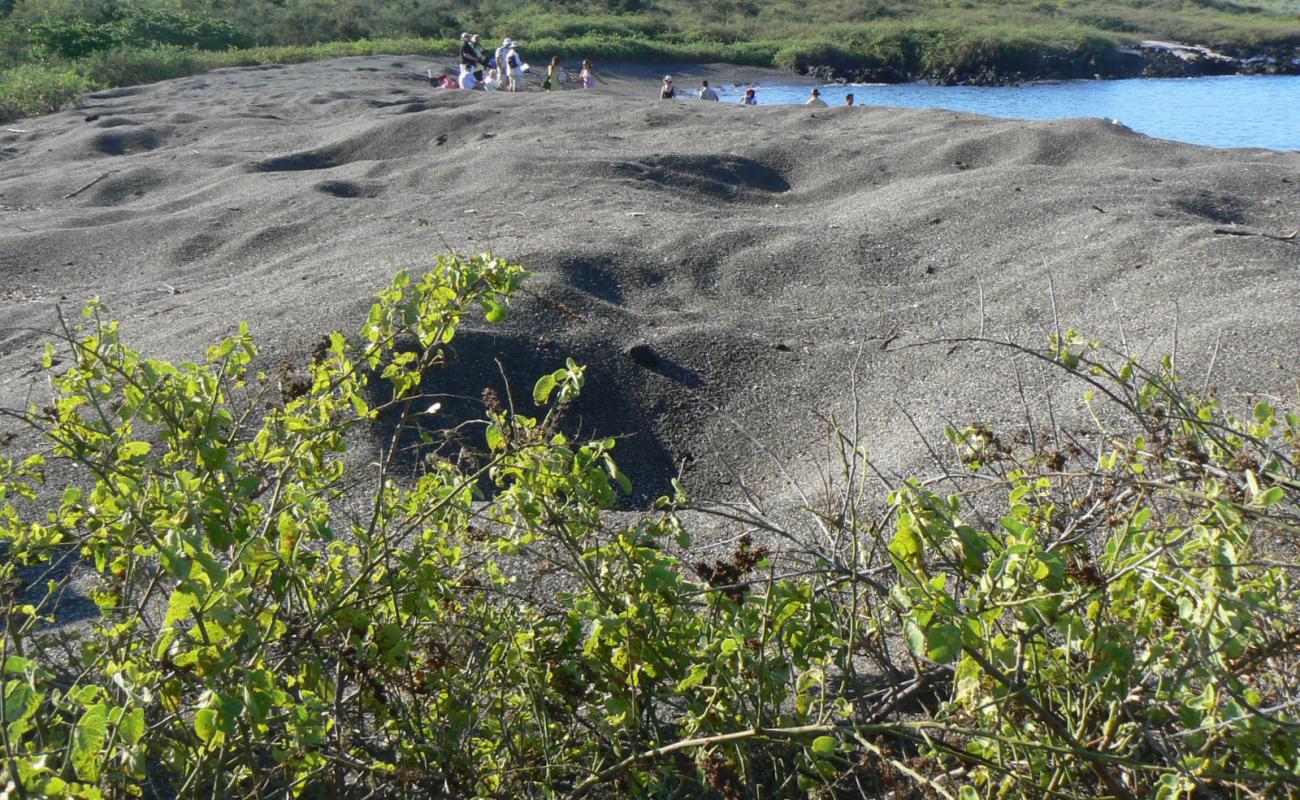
x: 914, y: 636
x: 943, y: 643
x: 1271, y: 497
x: 698, y: 673
x: 87, y: 740
x: 205, y: 724
x: 496, y: 312
x: 15, y: 665
x: 908, y: 548
x: 18, y: 698
x: 543, y: 388
x: 824, y: 746
x: 132, y: 450
x: 131, y: 728
x: 179, y: 606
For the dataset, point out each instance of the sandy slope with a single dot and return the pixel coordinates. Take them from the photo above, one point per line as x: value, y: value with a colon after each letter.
x: 749, y: 255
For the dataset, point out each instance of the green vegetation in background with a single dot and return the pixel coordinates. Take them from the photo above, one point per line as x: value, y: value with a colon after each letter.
x: 31, y: 90
x: 919, y: 38
x: 1113, y: 616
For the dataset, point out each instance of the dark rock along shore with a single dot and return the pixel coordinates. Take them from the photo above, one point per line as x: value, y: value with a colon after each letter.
x: 1148, y: 60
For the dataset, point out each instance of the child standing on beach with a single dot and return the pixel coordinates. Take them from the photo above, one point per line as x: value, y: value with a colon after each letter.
x: 588, y: 75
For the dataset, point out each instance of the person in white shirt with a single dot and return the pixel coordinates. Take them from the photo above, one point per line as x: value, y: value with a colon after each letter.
x: 499, y: 60
x: 815, y: 99
x: 706, y: 93
x: 511, y: 66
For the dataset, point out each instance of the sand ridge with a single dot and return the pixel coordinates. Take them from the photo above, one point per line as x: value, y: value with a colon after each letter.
x: 714, y: 264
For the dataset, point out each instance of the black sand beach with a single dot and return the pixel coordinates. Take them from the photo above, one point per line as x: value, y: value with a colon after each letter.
x: 713, y: 264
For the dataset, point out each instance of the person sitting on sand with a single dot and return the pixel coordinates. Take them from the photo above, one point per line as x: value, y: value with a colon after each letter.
x: 848, y: 99
x: 492, y: 82
x: 749, y: 98
x: 706, y: 93
x: 447, y: 81
x: 554, y: 76
x: 815, y: 99
x: 666, y: 89
x: 588, y: 75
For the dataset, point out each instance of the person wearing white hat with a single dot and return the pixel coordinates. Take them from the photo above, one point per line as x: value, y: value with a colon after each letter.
x: 666, y: 91
x: 499, y: 60
x: 511, y: 65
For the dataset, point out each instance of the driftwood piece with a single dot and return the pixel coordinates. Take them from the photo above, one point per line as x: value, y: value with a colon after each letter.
x: 71, y: 195
x: 1290, y: 237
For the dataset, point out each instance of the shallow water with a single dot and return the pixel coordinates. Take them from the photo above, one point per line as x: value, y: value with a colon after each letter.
x: 1229, y: 111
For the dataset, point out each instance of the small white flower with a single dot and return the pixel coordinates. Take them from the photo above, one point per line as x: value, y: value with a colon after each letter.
x: 433, y: 409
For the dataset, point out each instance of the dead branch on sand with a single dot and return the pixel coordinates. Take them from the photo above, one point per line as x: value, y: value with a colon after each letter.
x: 1290, y: 237
x: 71, y: 195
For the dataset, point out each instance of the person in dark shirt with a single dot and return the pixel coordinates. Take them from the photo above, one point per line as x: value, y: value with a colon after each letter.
x: 480, y: 58
x: 468, y: 63
x: 666, y: 90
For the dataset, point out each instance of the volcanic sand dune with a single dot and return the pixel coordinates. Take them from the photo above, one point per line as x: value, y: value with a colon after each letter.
x: 713, y: 264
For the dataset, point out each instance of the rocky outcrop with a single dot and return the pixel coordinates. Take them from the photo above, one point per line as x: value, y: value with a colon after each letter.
x: 1174, y: 60
x: 1149, y: 59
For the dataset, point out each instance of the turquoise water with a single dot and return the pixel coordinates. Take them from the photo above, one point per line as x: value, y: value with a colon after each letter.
x: 1230, y: 111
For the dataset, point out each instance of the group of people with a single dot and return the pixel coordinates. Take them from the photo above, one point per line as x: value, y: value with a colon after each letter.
x: 505, y: 69
x: 502, y: 69
x: 815, y: 99
x: 749, y: 98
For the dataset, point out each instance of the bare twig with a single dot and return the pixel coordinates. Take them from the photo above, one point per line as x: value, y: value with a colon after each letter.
x: 71, y: 195
x: 1218, y: 340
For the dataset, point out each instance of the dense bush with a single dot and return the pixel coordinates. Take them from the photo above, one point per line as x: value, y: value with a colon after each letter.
x: 128, y: 66
x: 29, y: 90
x: 146, y: 27
x: 139, y: 27
x: 1110, y: 615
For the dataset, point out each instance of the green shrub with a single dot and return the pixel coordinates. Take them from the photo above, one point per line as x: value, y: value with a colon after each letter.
x: 71, y: 38
x: 1115, y: 614
x: 142, y: 26
x: 15, y: 44
x: 798, y: 56
x: 128, y: 66
x: 29, y: 90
